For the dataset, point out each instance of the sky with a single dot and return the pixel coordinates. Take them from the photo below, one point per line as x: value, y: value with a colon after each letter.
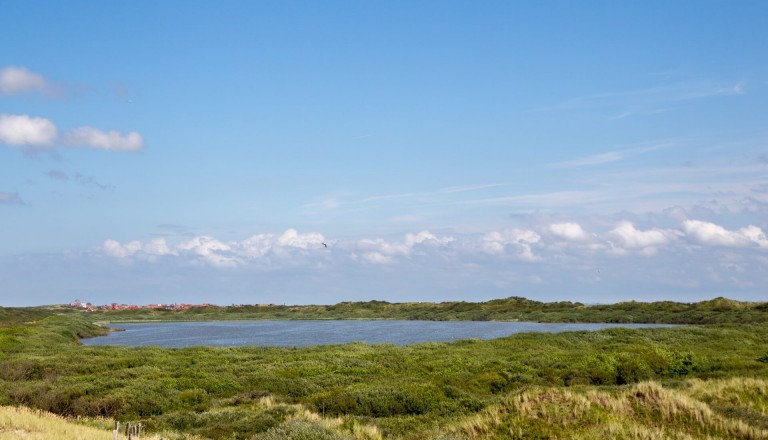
x: 303, y: 152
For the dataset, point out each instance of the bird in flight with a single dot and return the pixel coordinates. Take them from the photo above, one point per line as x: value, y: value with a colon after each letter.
x: 324, y: 245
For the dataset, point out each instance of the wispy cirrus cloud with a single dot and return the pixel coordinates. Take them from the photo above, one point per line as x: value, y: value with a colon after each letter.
x: 57, y: 175
x: 595, y: 159
x: 336, y: 202
x: 10, y: 198
x: 88, y: 181
x: 646, y: 102
x: 617, y: 155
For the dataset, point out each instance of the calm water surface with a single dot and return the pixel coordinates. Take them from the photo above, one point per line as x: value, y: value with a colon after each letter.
x: 306, y: 333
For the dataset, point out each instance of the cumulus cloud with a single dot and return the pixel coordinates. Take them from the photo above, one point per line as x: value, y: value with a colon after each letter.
x: 648, y: 241
x: 292, y: 238
x: 257, y: 245
x: 290, y: 246
x: 9, y: 198
x: 515, y: 241
x: 104, y: 140
x: 210, y: 251
x: 26, y: 131
x: 559, y: 245
x: 37, y: 132
x: 426, y: 238
x: 569, y: 231
x: 707, y: 233
x: 19, y: 80
x: 115, y: 249
x: 153, y: 248
x: 380, y: 251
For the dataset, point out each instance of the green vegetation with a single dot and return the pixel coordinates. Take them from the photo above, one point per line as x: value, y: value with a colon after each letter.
x: 716, y: 311
x: 680, y: 382
x: 23, y: 423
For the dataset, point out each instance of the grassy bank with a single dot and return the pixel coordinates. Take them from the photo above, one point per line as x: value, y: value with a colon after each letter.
x: 681, y: 382
x: 716, y: 311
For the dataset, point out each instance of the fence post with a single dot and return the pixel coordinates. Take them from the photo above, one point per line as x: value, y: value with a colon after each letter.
x: 114, y: 433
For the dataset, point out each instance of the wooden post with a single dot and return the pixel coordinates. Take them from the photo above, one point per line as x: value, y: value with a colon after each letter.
x: 117, y: 429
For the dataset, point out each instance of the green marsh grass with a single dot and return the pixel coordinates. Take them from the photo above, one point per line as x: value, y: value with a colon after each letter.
x: 697, y: 381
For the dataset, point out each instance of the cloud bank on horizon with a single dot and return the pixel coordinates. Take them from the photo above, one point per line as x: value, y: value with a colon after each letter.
x: 437, y: 151
x: 550, y: 243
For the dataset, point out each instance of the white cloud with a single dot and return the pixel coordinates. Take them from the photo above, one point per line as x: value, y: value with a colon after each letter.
x: 256, y: 246
x: 378, y: 258
x: 291, y: 238
x: 715, y: 235
x: 158, y: 247
x: 647, y: 241
x: 216, y: 253
x: 564, y: 243
x: 569, y: 231
x: 649, y: 99
x: 211, y: 251
x: 23, y: 130
x: 104, y: 140
x: 154, y: 248
x: 37, y: 132
x: 381, y: 251
x: 114, y: 249
x: 597, y: 159
x: 426, y: 237
x: 519, y: 240
x: 19, y: 79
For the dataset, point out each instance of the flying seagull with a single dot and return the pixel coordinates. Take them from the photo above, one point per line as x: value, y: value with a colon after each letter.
x: 324, y: 245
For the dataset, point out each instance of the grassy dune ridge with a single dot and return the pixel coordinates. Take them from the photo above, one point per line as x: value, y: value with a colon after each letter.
x: 716, y: 311
x: 680, y: 382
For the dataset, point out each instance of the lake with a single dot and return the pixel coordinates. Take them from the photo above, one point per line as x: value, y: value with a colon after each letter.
x: 308, y: 333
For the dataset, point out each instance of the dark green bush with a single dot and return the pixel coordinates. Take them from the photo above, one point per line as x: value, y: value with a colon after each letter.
x: 380, y: 401
x: 632, y: 369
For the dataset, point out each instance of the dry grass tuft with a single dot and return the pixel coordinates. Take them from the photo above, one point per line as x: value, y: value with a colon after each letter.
x: 21, y: 423
x: 645, y: 411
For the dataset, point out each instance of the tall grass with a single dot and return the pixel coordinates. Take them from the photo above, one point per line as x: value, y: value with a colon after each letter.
x: 27, y: 424
x: 646, y: 410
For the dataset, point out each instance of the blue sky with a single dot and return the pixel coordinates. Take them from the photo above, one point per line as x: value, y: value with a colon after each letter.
x: 203, y: 151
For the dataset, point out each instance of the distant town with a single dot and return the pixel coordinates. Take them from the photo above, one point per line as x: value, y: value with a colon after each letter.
x: 88, y: 307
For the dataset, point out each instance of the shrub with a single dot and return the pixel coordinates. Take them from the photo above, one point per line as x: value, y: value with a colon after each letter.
x: 194, y: 399
x: 632, y: 369
x: 380, y: 401
x: 302, y: 430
